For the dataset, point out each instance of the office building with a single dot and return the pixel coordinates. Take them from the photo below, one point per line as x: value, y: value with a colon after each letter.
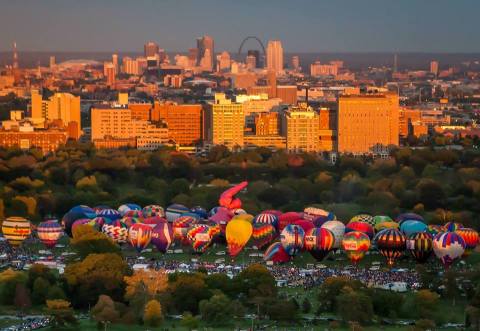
x: 434, y: 67
x: 301, y: 129
x: 150, y: 49
x: 367, y: 123
x: 318, y: 69
x: 224, y: 61
x: 275, y: 56
x: 206, y: 53
x: 295, y: 63
x: 267, y: 124
x: 52, y: 62
x: 256, y: 54
x: 109, y: 73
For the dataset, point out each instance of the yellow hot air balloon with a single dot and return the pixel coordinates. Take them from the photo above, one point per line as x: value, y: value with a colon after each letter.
x: 16, y: 230
x: 237, y: 233
x: 245, y: 217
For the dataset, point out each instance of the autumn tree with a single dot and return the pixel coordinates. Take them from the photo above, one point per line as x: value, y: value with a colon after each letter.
x: 61, y: 313
x: 87, y: 240
x: 152, y: 315
x: 104, y: 311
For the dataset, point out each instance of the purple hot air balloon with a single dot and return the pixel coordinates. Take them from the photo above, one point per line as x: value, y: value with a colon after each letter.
x: 162, y: 236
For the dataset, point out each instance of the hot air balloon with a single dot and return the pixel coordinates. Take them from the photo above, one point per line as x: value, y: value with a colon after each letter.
x: 175, y: 211
x: 391, y: 244
x: 386, y: 225
x: 266, y: 218
x: 292, y: 239
x: 379, y: 219
x: 304, y: 224
x: 16, y: 230
x: 100, y: 207
x: 319, y: 242
x: 237, y: 233
x: 420, y: 246
x: 470, y: 236
x: 287, y: 218
x: 263, y: 234
x: 129, y: 221
x: 366, y: 218
x: 276, y: 253
x: 162, y: 236
x: 116, y: 230
x: 411, y: 227
x: 238, y: 211
x: 110, y: 214
x: 86, y: 221
x: 355, y: 244
x: 245, y: 217
x: 128, y: 206
x: 138, y: 214
x: 359, y: 226
x: 273, y: 212
x: 311, y: 213
x: 153, y: 210
x: 74, y: 214
x: 228, y: 199
x: 200, y: 237
x: 181, y: 226
x: 86, y: 210
x: 409, y: 217
x: 433, y: 229
x: 452, y: 226
x: 153, y: 221
x: 139, y: 236
x: 200, y: 211
x: 49, y: 232
x: 338, y: 230
x: 448, y: 246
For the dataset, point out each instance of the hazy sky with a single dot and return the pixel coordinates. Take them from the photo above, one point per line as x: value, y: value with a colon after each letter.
x: 302, y: 25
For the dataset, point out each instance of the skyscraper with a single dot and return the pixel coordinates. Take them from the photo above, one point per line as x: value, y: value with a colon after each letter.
x: 115, y: 63
x: 300, y: 126
x: 15, y: 56
x: 295, y: 62
x: 434, y: 67
x: 255, y: 53
x: 203, y: 44
x: 150, y: 49
x: 52, y: 62
x: 275, y: 56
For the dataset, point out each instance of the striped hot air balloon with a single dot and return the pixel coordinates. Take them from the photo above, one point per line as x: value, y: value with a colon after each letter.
x: 470, y: 236
x: 128, y: 206
x: 162, y: 236
x: 452, y: 226
x: 355, y: 244
x: 263, y: 234
x: 391, y: 244
x: 49, y: 232
x: 110, y: 214
x: 276, y: 253
x: 448, y: 246
x: 292, y: 239
x: 139, y: 236
x: 266, y: 218
x: 116, y: 230
x: 420, y: 246
x: 319, y: 242
x: 16, y: 230
x: 175, y: 211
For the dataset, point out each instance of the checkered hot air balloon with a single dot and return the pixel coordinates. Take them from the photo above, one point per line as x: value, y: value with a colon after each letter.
x: 470, y: 236
x: 355, y: 244
x: 49, y: 232
x: 116, y: 230
x: 319, y: 242
x: 292, y: 239
x: 153, y: 210
x: 16, y: 230
x: 391, y: 244
x: 420, y: 246
x: 448, y: 246
x: 139, y: 236
x: 366, y: 218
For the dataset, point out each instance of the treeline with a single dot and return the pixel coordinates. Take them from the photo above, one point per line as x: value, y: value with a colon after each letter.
x: 439, y: 184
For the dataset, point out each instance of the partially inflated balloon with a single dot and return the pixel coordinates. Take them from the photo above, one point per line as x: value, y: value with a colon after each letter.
x: 228, y: 199
x: 139, y: 236
x: 154, y: 220
x: 175, y: 211
x: 128, y: 206
x: 360, y: 227
x: 237, y: 233
x: 153, y: 210
x: 409, y: 217
x: 319, y: 242
x: 16, y: 230
x: 366, y: 218
x: 266, y: 218
x: 412, y: 227
x: 355, y: 244
x: 287, y: 218
x: 433, y: 229
x: 110, y: 214
x: 304, y: 224
x: 311, y: 213
x: 116, y: 230
x: 276, y: 253
x: 86, y: 210
x: 386, y: 225
x: 448, y: 246
x: 391, y: 244
x: 181, y: 226
x: 86, y: 221
x: 129, y: 221
x: 420, y: 246
x: 263, y: 234
x: 470, y: 236
x: 379, y: 219
x: 74, y: 214
x: 338, y: 230
x: 162, y: 236
x: 49, y: 232
x: 292, y: 239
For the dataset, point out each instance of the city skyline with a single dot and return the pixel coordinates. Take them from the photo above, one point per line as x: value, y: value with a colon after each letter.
x: 343, y: 26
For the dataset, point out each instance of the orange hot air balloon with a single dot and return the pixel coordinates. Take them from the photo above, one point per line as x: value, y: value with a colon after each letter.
x: 237, y: 233
x: 355, y: 244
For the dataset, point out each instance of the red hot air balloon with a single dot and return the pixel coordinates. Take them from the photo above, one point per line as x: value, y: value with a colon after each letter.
x: 319, y: 242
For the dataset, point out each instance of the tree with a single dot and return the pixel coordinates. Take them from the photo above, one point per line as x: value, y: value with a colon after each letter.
x: 55, y: 292
x: 425, y: 302
x: 8, y: 285
x: 61, y: 313
x: 187, y: 290
x: 217, y: 310
x: 153, y: 313
x: 87, y: 240
x: 104, y: 311
x: 154, y: 282
x: 256, y: 280
x: 281, y: 310
x: 22, y: 297
x: 40, y: 290
x: 306, y: 306
x: 424, y: 325
x: 331, y: 288
x: 354, y: 306
x: 189, y: 321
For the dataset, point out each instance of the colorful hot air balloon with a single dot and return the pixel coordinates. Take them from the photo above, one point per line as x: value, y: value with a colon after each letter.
x: 134, y: 213
x: 292, y: 239
x: 153, y: 210
x: 355, y: 244
x: 153, y: 221
x: 228, y: 199
x: 263, y: 234
x: 86, y: 210
x: 433, y: 229
x: 162, y: 236
x: 448, y: 246
x: 49, y: 232
x: 116, y: 230
x: 319, y: 242
x: 200, y: 211
x: 128, y: 206
x: 338, y: 230
x: 139, y: 236
x: 391, y: 244
x: 359, y: 226
x: 16, y: 230
x: 386, y: 225
x: 110, y: 214
x: 129, y: 221
x: 181, y: 226
x: 273, y: 212
x: 411, y: 227
x: 311, y: 213
x: 409, y: 217
x: 237, y: 233
x: 452, y: 226
x: 266, y: 218
x: 74, y: 214
x: 86, y: 221
x: 379, y: 219
x: 470, y: 236
x: 304, y: 224
x: 175, y: 211
x: 287, y: 218
x: 276, y: 253
x: 366, y: 218
x: 200, y: 237
x: 420, y: 246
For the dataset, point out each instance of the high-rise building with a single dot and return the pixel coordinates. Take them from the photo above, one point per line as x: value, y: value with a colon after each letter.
x: 251, y: 62
x: 109, y: 72
x: 192, y: 56
x: 184, y: 122
x: 300, y: 127
x: 266, y: 124
x: 52, y: 62
x: 205, y: 44
x: 367, y: 124
x: 256, y: 54
x: 295, y: 63
x: 150, y: 49
x: 225, y: 123
x: 15, y: 64
x: 434, y: 67
x: 115, y: 63
x: 224, y: 61
x: 275, y: 56
x: 130, y: 66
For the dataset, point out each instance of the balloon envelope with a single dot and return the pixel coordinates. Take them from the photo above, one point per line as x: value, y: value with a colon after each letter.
x: 16, y: 230
x: 287, y: 218
x: 49, y: 232
x: 448, y: 246
x: 319, y: 242
x: 237, y: 233
x: 200, y: 237
x: 276, y: 253
x: 111, y: 214
x: 292, y: 239
x: 153, y: 210
x: 175, y: 211
x: 391, y: 244
x: 470, y: 236
x: 162, y: 236
x: 366, y: 218
x: 420, y: 246
x: 338, y: 230
x: 263, y: 234
x: 116, y: 230
x: 360, y: 227
x: 355, y: 244
x: 411, y: 227
x: 139, y: 236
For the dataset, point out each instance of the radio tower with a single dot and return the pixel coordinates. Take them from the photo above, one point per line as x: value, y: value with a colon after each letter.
x: 15, y: 56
